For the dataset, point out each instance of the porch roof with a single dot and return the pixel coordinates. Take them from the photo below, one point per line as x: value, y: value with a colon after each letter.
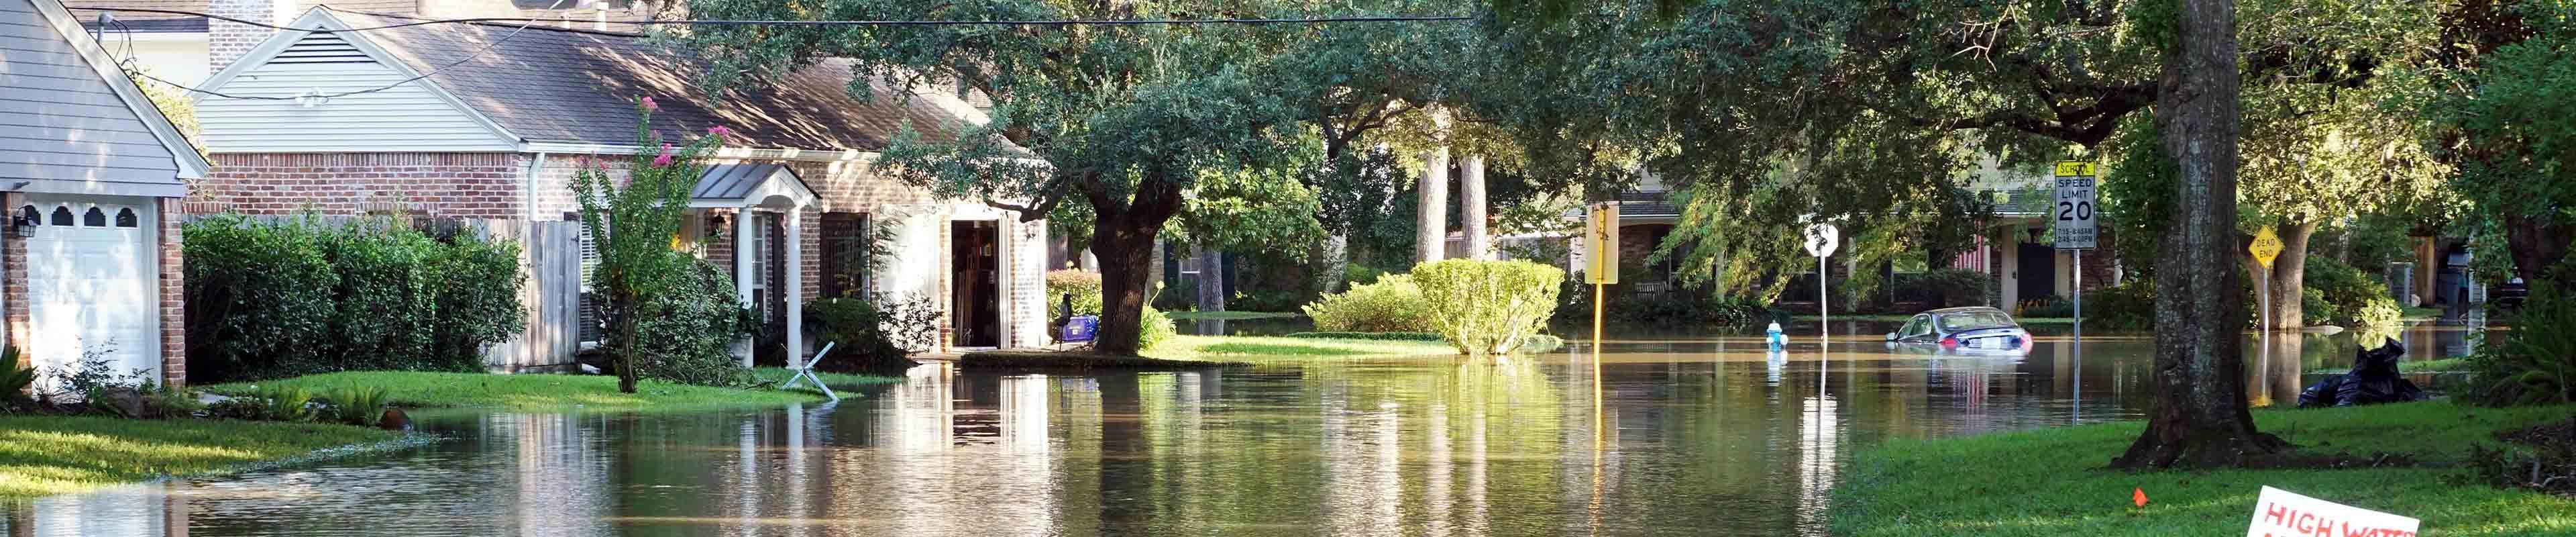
x: 749, y: 184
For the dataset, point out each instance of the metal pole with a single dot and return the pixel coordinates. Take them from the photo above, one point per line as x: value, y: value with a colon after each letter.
x: 2078, y: 415
x: 1596, y: 322
x: 1824, y: 320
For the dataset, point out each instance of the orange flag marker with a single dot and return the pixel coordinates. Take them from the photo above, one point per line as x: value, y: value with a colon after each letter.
x: 2140, y: 496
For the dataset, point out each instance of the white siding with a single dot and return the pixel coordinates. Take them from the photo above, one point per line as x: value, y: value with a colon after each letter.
x: 62, y: 126
x: 405, y: 118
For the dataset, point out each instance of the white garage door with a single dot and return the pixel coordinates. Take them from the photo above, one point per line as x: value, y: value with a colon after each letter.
x: 90, y: 282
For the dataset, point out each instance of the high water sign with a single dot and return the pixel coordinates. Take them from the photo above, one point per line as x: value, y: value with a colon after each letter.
x: 2281, y: 513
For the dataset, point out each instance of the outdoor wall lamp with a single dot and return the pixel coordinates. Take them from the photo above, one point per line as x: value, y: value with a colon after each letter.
x: 22, y: 225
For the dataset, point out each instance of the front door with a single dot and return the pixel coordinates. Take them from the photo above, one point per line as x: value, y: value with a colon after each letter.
x: 2038, y: 272
x: 975, y: 258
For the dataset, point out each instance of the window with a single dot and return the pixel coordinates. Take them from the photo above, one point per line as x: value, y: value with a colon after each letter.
x: 1974, y: 320
x: 94, y: 218
x: 1920, y: 325
x: 125, y: 218
x: 62, y: 216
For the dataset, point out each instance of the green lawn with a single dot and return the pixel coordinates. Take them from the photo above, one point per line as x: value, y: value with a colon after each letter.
x: 1187, y: 347
x: 2445, y: 365
x: 1229, y: 315
x: 2419, y: 314
x: 2052, y: 481
x: 529, y: 392
x: 41, y: 455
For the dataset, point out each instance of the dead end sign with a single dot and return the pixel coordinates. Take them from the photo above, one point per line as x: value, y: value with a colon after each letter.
x: 2281, y: 513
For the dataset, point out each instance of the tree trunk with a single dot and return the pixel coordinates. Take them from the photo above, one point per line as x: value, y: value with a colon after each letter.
x: 2536, y: 244
x: 1471, y: 208
x: 624, y: 306
x: 2289, y: 277
x: 1330, y: 259
x: 1431, y: 199
x: 1211, y: 282
x: 1123, y: 235
x: 2200, y: 417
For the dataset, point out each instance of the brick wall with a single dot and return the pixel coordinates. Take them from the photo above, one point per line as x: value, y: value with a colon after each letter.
x: 227, y: 41
x: 174, y: 303
x: 13, y: 284
x: 461, y: 185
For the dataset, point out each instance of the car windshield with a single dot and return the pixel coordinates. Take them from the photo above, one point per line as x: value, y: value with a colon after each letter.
x: 1972, y: 320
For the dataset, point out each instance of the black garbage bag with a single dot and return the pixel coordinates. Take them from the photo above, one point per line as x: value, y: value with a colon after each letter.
x: 2373, y: 380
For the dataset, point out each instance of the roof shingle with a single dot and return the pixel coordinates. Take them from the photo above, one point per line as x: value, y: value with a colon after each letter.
x: 558, y: 85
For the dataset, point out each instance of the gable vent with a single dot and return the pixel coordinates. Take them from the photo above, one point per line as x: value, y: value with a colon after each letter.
x: 322, y: 48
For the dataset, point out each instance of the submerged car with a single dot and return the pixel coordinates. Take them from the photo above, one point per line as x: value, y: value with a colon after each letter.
x: 1964, y: 329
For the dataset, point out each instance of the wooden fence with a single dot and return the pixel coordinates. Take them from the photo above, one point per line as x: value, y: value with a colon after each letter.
x: 551, y: 296
x: 550, y: 257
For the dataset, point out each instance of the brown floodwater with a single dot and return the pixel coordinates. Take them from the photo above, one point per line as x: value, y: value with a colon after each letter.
x: 1662, y: 434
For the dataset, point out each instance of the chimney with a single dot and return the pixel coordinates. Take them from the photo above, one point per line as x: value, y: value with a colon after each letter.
x: 227, y: 41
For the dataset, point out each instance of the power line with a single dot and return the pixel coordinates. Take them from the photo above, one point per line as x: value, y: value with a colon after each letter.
x: 1048, y: 22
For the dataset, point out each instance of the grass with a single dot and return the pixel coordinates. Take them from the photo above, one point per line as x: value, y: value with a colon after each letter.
x: 839, y: 381
x: 42, y: 455
x: 528, y: 392
x: 1187, y: 347
x: 2052, y: 481
x: 1229, y: 315
x: 2418, y: 314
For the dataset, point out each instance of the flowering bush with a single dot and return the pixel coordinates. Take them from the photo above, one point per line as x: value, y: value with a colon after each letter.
x: 633, y: 227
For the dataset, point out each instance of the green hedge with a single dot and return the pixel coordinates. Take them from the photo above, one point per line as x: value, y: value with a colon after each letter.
x: 1487, y: 307
x: 1394, y: 303
x: 1374, y: 336
x: 1084, y: 286
x: 302, y: 296
x: 687, y: 333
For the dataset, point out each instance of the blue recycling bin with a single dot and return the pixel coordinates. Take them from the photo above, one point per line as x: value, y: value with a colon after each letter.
x: 1081, y: 328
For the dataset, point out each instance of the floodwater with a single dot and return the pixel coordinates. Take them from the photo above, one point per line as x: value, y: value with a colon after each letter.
x: 1660, y: 435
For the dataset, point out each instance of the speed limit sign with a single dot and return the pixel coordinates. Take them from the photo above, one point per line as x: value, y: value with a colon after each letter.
x: 2075, y: 205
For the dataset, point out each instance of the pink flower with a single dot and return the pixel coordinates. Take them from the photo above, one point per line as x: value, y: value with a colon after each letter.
x: 649, y: 106
x: 718, y: 130
x: 665, y: 159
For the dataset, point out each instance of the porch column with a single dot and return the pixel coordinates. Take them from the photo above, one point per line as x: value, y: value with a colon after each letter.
x: 795, y: 287
x: 743, y: 225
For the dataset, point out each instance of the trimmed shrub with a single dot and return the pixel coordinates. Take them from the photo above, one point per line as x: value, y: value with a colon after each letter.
x: 2131, y: 305
x: 858, y: 328
x: 302, y: 296
x: 1392, y: 304
x: 1942, y: 288
x: 1084, y: 286
x: 687, y: 332
x: 1374, y: 336
x: 1488, y: 307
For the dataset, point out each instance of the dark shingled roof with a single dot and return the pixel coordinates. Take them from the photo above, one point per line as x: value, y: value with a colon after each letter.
x: 557, y: 85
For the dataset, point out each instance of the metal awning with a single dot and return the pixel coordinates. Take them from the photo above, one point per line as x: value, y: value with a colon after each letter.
x: 747, y: 185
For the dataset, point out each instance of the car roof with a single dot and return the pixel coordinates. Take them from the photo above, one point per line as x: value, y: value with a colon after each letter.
x: 1964, y: 309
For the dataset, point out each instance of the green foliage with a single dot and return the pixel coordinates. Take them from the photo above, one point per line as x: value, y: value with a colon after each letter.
x: 283, y: 403
x: 270, y: 299
x: 2537, y: 364
x: 361, y: 406
x: 632, y: 223
x: 1945, y: 287
x: 2349, y: 295
x: 1083, y: 286
x: 2131, y: 305
x: 1155, y: 328
x: 686, y: 329
x: 1266, y: 212
x: 860, y: 330
x: 2514, y: 129
x: 14, y: 381
x: 1377, y: 336
x: 170, y: 402
x: 1391, y: 304
x: 1488, y: 307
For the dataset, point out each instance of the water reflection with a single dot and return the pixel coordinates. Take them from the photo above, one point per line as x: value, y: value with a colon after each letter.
x: 1653, y: 436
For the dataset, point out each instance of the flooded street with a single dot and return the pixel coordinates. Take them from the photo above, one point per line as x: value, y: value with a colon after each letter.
x: 1661, y: 435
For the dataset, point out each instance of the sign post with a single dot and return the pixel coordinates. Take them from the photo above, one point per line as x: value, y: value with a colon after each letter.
x: 1821, y: 240
x: 2075, y: 233
x: 2266, y: 247
x: 1600, y: 258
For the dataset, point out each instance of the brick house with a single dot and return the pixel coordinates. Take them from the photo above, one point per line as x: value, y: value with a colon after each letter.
x: 489, y: 121
x: 93, y: 178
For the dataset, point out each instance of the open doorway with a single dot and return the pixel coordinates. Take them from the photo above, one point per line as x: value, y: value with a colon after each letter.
x: 975, y: 258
